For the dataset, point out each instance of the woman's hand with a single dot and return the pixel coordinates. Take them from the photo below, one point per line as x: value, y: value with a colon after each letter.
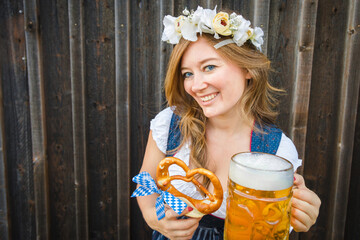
x: 177, y: 229
x: 305, y: 206
x: 169, y: 226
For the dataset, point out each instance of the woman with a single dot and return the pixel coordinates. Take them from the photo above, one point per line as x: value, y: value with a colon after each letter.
x: 218, y: 92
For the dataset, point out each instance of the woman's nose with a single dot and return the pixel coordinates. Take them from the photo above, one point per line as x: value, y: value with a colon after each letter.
x: 199, y: 83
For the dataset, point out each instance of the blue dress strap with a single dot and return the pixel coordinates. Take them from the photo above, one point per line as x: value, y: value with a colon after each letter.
x: 267, y: 140
x: 174, y: 138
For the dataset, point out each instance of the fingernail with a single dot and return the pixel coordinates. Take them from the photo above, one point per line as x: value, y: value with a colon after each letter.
x: 190, y: 209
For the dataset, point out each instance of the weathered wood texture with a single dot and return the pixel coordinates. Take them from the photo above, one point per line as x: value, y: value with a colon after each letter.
x: 76, y: 54
x: 37, y: 96
x: 81, y: 80
x: 16, y: 135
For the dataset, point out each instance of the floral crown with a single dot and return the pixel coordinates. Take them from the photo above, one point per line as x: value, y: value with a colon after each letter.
x: 208, y: 21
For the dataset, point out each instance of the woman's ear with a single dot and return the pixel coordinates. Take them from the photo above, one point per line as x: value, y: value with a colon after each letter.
x: 247, y: 75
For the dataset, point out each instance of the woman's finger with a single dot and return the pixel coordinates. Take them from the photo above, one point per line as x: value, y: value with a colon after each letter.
x: 308, y: 196
x: 306, y: 207
x: 185, y: 233
x: 303, y: 214
x: 186, y: 211
x: 175, y: 228
x: 298, y: 225
x: 299, y: 181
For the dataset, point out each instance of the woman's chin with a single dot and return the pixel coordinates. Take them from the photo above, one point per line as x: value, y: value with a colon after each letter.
x: 209, y: 113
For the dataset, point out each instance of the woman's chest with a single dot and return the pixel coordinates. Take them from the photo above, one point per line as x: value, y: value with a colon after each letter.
x: 219, y: 156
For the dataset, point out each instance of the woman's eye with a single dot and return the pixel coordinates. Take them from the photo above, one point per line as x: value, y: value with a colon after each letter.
x: 187, y: 75
x: 209, y: 68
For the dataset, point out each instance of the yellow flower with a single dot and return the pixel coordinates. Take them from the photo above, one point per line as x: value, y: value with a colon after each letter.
x: 221, y: 24
x: 178, y: 23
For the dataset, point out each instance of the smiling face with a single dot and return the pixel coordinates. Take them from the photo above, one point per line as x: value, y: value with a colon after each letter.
x: 215, y: 83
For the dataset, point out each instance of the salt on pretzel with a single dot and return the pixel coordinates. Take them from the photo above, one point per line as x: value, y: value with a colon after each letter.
x: 200, y: 207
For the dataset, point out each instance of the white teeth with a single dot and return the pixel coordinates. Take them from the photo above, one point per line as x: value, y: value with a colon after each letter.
x: 208, y: 98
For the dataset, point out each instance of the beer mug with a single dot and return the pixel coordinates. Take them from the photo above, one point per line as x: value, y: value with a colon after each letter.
x: 259, y: 197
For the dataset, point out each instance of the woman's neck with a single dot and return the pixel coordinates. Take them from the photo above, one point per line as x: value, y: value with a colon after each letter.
x: 229, y: 125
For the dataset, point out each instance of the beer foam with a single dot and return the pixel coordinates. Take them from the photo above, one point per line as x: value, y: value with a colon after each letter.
x: 261, y: 171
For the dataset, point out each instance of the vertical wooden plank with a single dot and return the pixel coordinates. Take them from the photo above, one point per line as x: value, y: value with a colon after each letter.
x: 346, y: 122
x: 302, y: 67
x: 240, y: 7
x: 145, y: 90
x: 4, y: 198
x: 138, y: 125
x: 166, y: 8
x: 326, y: 169
x: 100, y: 111
x: 122, y: 60
x: 77, y: 65
x: 4, y: 188
x: 282, y: 48
x: 16, y: 117
x: 37, y: 117
x: 180, y: 5
x: 304, y: 50
x: 57, y: 86
x: 260, y: 18
x: 352, y: 227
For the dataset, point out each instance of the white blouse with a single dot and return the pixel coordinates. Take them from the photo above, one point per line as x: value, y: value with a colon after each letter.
x: 160, y: 129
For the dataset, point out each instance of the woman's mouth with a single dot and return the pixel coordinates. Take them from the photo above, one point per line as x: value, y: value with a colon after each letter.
x: 208, y: 97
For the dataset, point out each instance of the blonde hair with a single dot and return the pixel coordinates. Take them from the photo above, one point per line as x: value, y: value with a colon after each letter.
x: 257, y: 102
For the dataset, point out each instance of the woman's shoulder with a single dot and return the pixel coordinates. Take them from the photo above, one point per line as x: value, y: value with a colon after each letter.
x: 287, y: 150
x: 164, y: 115
x: 159, y: 127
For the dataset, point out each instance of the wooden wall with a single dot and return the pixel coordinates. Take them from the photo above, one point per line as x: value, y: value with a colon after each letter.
x: 80, y: 81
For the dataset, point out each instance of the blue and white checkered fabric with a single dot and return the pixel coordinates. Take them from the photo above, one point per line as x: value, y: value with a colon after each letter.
x: 148, y: 187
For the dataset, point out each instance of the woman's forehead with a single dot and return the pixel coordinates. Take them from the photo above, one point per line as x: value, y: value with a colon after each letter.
x: 199, y: 51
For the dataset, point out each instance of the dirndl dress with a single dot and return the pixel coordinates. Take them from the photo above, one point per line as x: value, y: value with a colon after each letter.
x: 211, y: 227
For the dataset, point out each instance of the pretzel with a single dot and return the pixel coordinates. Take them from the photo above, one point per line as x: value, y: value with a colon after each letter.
x: 200, y: 207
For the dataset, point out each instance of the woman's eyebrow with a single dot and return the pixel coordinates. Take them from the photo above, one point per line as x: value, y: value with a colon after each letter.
x: 203, y: 61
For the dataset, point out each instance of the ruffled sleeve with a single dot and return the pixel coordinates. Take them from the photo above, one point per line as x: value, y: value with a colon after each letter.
x: 288, y: 151
x: 160, y: 128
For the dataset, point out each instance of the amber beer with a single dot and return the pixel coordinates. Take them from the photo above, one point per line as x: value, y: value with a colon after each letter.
x: 259, y: 195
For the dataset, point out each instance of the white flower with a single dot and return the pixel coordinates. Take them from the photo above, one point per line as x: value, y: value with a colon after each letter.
x: 241, y: 28
x: 178, y: 23
x: 186, y: 12
x: 257, y: 37
x: 203, y: 18
x: 189, y: 30
x: 170, y: 34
